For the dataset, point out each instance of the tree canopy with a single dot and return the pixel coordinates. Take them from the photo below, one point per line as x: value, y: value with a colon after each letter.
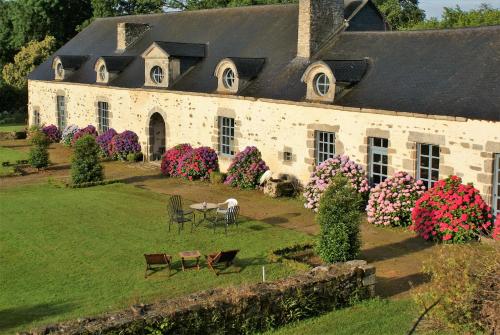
x: 401, y: 13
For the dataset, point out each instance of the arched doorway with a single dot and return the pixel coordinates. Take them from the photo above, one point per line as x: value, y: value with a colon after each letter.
x: 157, y: 137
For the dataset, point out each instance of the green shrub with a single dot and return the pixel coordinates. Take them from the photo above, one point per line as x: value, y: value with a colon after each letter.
x: 85, y: 165
x: 217, y: 177
x: 134, y: 157
x: 39, y: 154
x: 339, y: 218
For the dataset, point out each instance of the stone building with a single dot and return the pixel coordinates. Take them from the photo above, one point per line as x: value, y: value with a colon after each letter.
x: 301, y: 82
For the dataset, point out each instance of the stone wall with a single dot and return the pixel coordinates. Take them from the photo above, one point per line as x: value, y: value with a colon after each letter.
x: 467, y: 146
x: 239, y: 310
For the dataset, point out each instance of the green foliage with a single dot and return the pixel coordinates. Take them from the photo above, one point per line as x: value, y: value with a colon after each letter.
x: 207, y: 4
x: 339, y: 218
x: 33, y: 54
x: 485, y: 15
x: 401, y: 13
x: 134, y: 157
x: 85, y: 165
x: 217, y: 177
x: 39, y: 153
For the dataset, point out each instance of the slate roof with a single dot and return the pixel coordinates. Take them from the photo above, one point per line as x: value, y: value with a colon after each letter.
x: 182, y: 49
x: 248, y: 68
x: 446, y: 72
x: 117, y: 63
x: 72, y: 62
x: 348, y: 71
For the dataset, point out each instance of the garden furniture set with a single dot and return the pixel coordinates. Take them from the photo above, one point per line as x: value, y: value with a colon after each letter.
x: 215, y: 261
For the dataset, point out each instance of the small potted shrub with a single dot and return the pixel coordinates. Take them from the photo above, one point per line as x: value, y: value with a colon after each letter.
x: 452, y: 212
x: 324, y: 173
x: 246, y: 169
x: 53, y: 134
x: 391, y: 202
x: 171, y: 159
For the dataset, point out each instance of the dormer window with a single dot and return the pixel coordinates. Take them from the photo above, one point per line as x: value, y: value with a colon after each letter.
x: 157, y: 75
x: 322, y: 84
x: 107, y: 68
x: 330, y: 78
x: 234, y: 74
x: 65, y: 66
x: 166, y: 62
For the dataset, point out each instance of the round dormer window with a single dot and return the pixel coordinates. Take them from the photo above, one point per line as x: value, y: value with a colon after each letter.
x: 228, y: 78
x: 321, y: 84
x: 102, y: 72
x: 157, y: 74
x: 60, y: 70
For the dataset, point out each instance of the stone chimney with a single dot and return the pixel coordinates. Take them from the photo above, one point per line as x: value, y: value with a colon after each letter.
x: 128, y: 33
x: 317, y: 20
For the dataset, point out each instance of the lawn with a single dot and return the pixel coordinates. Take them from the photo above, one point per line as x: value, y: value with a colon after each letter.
x: 11, y: 156
x: 8, y: 127
x: 372, y: 317
x: 68, y: 253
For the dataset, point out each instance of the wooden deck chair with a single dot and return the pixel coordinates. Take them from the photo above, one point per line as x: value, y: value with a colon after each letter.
x: 158, y: 261
x: 221, y: 258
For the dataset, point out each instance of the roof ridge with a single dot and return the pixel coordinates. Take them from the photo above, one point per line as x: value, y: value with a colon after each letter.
x: 425, y: 31
x: 187, y: 12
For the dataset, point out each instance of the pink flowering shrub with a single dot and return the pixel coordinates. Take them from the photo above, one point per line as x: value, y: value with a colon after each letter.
x: 198, y: 163
x: 496, y: 228
x: 324, y: 173
x: 104, y: 141
x: 246, y: 169
x: 89, y: 130
x: 451, y: 211
x: 391, y: 201
x: 171, y: 159
x: 53, y: 134
x: 123, y: 144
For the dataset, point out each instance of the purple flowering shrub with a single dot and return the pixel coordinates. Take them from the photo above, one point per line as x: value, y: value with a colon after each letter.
x: 171, y: 159
x: 246, y: 169
x: 198, y: 163
x: 53, y: 134
x: 89, y: 130
x: 324, y: 173
x: 123, y: 144
x: 391, y: 202
x: 68, y: 134
x: 104, y: 141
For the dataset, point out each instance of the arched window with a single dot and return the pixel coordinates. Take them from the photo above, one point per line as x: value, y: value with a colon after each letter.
x: 102, y: 72
x: 157, y: 74
x: 228, y: 78
x: 321, y: 84
x: 60, y: 70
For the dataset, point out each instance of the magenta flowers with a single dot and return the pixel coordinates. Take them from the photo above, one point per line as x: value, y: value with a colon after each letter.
x: 246, y: 169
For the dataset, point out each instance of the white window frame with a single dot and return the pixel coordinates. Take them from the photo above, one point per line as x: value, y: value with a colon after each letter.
x: 496, y: 185
x: 321, y: 84
x: 157, y: 74
x: 103, y: 115
x: 228, y: 78
x: 324, y: 145
x: 378, y: 146
x: 226, y: 136
x: 61, y: 112
x: 36, y: 117
x: 430, y: 180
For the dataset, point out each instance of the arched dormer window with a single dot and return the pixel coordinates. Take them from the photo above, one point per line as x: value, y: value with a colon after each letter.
x: 320, y: 82
x: 64, y: 66
x: 234, y: 73
x: 107, y: 68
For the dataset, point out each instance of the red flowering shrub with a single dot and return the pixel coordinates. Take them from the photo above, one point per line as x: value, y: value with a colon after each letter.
x: 496, y: 228
x: 171, y: 159
x: 198, y: 163
x: 89, y: 130
x: 451, y: 211
x: 246, y: 169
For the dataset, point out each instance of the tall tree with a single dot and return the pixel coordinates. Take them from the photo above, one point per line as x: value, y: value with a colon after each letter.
x: 206, y: 4
x: 105, y: 8
x: 401, y: 13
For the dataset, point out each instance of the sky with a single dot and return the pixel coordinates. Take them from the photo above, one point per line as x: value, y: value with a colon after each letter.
x: 434, y: 8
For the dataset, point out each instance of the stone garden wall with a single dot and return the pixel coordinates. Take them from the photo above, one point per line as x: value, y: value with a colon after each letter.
x: 237, y: 310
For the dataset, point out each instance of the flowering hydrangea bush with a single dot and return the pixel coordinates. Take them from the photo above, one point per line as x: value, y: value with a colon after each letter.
x: 123, y: 144
x: 198, y: 163
x: 451, y: 211
x: 171, y: 159
x: 104, y: 141
x: 496, y: 228
x: 246, y: 169
x: 391, y: 202
x: 89, y: 130
x: 324, y: 173
x: 68, y: 134
x: 53, y: 134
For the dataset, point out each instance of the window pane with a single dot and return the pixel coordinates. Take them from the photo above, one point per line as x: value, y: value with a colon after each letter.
x: 377, y: 158
x: 435, y: 175
x: 435, y: 163
x: 424, y: 161
x: 435, y: 151
x: 424, y: 174
x: 384, y: 170
x: 376, y: 168
x: 424, y: 149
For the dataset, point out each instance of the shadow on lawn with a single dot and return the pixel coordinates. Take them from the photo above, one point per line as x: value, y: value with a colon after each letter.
x: 280, y: 219
x: 13, y: 317
x: 388, y: 287
x: 395, y: 250
x: 139, y: 179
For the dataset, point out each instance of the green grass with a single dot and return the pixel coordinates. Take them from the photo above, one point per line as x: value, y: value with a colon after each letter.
x: 69, y: 253
x: 372, y: 317
x: 8, y: 127
x: 11, y: 156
